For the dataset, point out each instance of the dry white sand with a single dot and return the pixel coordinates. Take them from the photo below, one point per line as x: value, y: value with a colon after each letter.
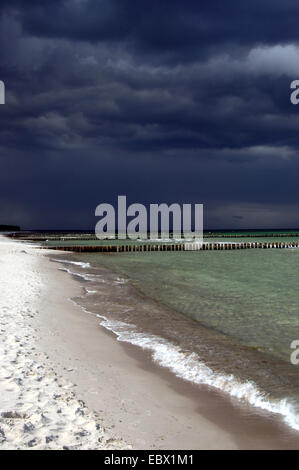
x: 38, y: 408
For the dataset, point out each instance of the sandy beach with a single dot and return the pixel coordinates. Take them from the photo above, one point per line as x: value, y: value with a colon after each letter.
x: 39, y: 408
x: 66, y: 382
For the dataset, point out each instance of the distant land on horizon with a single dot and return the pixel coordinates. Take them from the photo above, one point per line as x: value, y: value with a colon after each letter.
x: 9, y: 228
x: 205, y: 231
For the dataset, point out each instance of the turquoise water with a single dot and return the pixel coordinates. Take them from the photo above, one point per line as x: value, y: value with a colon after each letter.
x: 221, y: 318
x: 250, y: 295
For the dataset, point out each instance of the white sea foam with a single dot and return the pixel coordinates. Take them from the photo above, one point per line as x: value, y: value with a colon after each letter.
x: 189, y: 366
x: 76, y: 263
x: 120, y: 280
x: 86, y: 277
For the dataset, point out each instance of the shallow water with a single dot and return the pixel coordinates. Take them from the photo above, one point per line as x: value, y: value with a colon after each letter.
x: 250, y: 295
x: 224, y: 318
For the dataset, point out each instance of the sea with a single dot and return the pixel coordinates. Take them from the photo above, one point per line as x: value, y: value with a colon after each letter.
x: 220, y: 319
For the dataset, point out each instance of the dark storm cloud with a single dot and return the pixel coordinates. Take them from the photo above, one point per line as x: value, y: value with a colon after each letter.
x: 162, y: 101
x: 172, y: 25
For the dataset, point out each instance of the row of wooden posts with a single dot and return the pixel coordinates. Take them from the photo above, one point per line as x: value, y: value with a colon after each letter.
x: 91, y: 237
x: 172, y: 247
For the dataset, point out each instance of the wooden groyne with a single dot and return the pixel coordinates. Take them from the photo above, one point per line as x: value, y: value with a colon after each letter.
x: 44, y: 237
x: 172, y: 247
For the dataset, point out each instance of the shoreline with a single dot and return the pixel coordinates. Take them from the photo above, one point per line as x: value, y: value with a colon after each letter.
x: 136, y: 402
x: 139, y: 404
x: 197, y: 403
x: 202, y: 356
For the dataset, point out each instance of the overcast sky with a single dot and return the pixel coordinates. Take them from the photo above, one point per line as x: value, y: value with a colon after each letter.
x: 163, y: 101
